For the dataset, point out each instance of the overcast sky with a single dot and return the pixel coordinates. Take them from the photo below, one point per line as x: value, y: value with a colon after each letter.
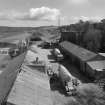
x: 47, y: 12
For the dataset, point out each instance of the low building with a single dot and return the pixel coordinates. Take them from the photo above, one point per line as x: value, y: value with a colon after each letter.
x: 96, y: 69
x: 79, y: 55
x: 4, y: 51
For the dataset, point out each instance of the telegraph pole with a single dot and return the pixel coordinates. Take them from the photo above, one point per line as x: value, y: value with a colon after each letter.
x: 59, y: 29
x: 59, y: 21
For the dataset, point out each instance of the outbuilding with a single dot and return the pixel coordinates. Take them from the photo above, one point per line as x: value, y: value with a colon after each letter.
x: 79, y: 55
x: 96, y: 69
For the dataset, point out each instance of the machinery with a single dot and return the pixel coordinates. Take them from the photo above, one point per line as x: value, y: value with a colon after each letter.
x: 57, y: 54
x: 13, y: 52
x: 19, y: 48
x: 45, y: 44
x: 69, y: 82
x: 52, y: 75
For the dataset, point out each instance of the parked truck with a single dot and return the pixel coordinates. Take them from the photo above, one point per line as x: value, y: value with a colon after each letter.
x: 69, y: 82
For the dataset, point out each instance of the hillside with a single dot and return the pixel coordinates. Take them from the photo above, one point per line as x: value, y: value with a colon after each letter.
x: 47, y: 31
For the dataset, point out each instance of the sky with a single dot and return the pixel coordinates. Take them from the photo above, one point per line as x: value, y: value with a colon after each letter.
x: 33, y: 13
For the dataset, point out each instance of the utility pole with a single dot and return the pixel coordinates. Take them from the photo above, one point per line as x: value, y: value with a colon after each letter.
x: 59, y: 21
x: 59, y: 24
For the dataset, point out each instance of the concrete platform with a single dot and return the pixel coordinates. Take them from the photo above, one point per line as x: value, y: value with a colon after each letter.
x: 31, y: 88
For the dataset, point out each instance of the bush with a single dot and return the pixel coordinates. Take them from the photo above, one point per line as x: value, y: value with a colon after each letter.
x: 88, y: 94
x: 92, y: 40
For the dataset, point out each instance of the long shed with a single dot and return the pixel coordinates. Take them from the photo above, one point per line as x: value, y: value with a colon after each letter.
x: 79, y: 55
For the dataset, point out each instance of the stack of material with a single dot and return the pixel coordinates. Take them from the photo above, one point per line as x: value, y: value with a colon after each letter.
x: 30, y: 89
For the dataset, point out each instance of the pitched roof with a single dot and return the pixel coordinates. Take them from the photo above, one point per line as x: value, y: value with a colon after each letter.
x: 97, y: 65
x: 77, y: 51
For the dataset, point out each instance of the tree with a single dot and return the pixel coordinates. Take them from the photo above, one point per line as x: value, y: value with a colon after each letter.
x: 92, y: 39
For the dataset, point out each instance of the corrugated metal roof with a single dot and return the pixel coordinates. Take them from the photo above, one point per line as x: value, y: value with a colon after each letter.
x: 30, y: 89
x: 77, y: 51
x: 97, y: 65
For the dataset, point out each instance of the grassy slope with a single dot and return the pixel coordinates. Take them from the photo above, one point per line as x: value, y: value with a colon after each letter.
x: 47, y: 32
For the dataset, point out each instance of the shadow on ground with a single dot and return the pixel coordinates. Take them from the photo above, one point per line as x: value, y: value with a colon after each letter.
x: 55, y: 85
x: 75, y: 72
